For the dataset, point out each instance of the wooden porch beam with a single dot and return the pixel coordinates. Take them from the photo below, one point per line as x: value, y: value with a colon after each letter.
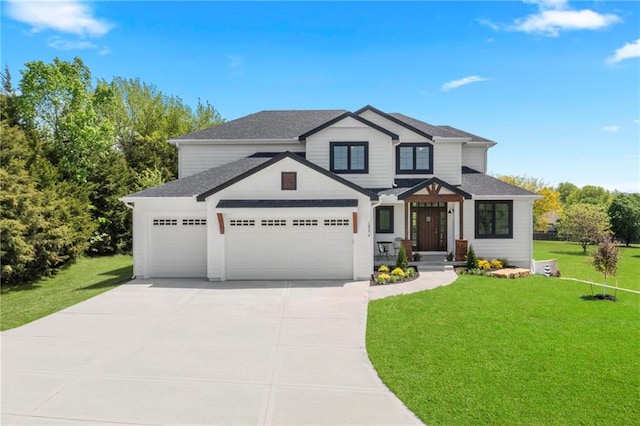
x: 354, y: 218
x: 220, y: 223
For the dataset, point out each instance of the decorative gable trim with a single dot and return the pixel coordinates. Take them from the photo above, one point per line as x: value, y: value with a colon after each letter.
x: 433, y: 187
x: 395, y: 120
x: 203, y: 196
x: 347, y: 114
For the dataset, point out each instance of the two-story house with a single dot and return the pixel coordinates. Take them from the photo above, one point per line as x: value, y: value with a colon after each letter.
x: 309, y: 195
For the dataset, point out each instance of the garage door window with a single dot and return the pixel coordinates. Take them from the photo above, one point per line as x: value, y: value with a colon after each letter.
x: 194, y: 222
x: 305, y: 222
x: 336, y: 222
x: 273, y: 222
x: 165, y: 222
x: 242, y: 222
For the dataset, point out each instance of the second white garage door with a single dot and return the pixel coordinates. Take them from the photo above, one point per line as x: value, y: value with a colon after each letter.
x: 289, y: 248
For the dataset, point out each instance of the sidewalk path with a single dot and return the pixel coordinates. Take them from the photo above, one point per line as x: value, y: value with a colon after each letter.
x: 426, y: 281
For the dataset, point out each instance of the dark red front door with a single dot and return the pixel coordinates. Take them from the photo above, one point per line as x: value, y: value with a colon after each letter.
x: 429, y: 227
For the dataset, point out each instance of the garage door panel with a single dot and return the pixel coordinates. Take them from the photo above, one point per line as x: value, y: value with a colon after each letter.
x: 302, y: 248
x: 178, y: 247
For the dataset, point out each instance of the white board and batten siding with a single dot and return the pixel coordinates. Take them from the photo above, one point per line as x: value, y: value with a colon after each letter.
x: 197, y: 157
x: 289, y: 242
x: 447, y: 162
x: 519, y: 249
x: 381, y: 165
x: 170, y: 238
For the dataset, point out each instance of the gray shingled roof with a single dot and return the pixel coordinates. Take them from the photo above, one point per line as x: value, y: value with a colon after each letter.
x: 477, y: 183
x: 474, y: 138
x: 427, y: 128
x: 193, y: 185
x: 267, y: 125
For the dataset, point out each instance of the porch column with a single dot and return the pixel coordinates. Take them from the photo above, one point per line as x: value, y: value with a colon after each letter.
x: 460, y: 219
x: 407, y: 219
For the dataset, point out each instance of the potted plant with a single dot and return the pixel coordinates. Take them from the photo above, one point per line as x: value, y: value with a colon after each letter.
x: 450, y: 256
x: 417, y: 257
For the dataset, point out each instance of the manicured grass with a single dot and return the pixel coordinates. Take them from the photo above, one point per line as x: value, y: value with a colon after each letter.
x: 528, y: 351
x: 84, y: 279
x: 573, y: 263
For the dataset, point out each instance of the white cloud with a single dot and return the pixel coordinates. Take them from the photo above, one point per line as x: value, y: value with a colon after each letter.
x: 62, y: 44
x: 555, y: 16
x: 461, y: 82
x: 66, y: 16
x: 629, y: 50
x: 551, y: 22
x: 611, y: 129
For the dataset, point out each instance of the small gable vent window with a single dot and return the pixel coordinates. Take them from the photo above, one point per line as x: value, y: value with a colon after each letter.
x: 336, y: 222
x: 194, y: 222
x: 305, y: 222
x: 242, y: 222
x: 289, y: 181
x: 165, y: 222
x: 274, y: 222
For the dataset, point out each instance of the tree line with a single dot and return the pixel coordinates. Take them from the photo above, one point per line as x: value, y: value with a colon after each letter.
x: 71, y: 147
x: 583, y: 214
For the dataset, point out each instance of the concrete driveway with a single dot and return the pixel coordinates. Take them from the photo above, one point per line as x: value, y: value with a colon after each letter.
x: 176, y: 351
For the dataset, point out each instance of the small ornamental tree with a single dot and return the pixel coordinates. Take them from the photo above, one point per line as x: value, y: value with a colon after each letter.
x: 605, y: 259
x: 472, y: 260
x: 402, y: 261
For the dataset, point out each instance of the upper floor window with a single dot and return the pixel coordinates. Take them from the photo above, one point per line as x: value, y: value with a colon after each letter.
x: 494, y: 219
x: 349, y: 157
x: 412, y: 158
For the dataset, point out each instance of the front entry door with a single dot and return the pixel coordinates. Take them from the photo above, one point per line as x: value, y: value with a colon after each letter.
x: 429, y: 226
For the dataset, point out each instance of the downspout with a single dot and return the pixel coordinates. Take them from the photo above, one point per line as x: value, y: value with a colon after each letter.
x: 130, y: 205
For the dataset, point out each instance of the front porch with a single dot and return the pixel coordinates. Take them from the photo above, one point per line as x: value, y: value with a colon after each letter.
x: 429, y: 261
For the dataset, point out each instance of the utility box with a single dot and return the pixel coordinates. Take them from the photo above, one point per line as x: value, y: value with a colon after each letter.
x: 461, y: 250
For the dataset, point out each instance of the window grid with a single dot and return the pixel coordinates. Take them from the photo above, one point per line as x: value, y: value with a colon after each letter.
x: 336, y: 222
x: 165, y: 222
x: 305, y: 222
x: 242, y: 222
x: 273, y: 222
x: 194, y: 222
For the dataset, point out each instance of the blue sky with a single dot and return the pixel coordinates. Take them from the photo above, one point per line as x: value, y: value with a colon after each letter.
x: 556, y: 83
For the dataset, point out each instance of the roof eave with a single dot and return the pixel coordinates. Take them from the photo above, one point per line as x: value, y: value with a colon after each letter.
x: 292, y: 140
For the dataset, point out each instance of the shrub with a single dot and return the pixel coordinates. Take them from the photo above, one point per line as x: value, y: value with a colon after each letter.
x: 383, y: 268
x: 484, y: 265
x: 383, y: 278
x: 398, y: 272
x: 472, y: 261
x: 504, y: 261
x: 496, y: 264
x: 410, y: 272
x: 402, y: 261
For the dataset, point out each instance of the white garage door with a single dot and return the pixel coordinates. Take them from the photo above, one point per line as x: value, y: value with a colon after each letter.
x: 289, y: 248
x: 178, y: 247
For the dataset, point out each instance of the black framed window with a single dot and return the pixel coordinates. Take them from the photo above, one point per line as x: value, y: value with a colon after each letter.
x: 412, y: 158
x: 349, y: 157
x: 494, y: 219
x: 384, y: 220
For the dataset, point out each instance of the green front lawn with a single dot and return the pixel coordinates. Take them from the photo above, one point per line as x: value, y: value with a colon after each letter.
x: 82, y: 280
x: 573, y: 263
x: 494, y: 351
